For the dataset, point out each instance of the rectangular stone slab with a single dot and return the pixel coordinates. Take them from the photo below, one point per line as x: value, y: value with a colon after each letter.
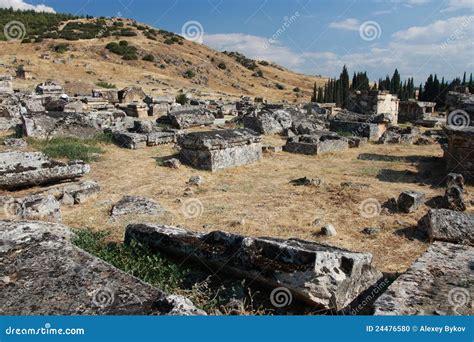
x: 45, y: 274
x: 438, y: 283
x: 27, y: 169
x: 325, y: 276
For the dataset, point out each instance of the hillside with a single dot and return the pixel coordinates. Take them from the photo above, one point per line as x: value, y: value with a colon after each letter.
x: 69, y: 51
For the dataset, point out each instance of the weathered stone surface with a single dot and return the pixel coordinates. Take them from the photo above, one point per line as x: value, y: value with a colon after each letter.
x: 268, y: 122
x: 438, y: 283
x: 36, y: 207
x: 324, y: 142
x: 448, y: 225
x: 409, y: 201
x: 172, y: 163
x: 328, y: 230
x: 135, y: 205
x: 26, y: 169
x: 143, y: 126
x: 59, y: 124
x: 459, y: 151
x: 454, y: 198
x: 397, y: 135
x: 216, y: 150
x: 129, y: 140
x: 44, y: 274
x: 195, y: 180
x: 13, y: 142
x: 191, y: 118
x: 160, y: 138
x: 356, y: 142
x: 77, y: 192
x: 322, y: 275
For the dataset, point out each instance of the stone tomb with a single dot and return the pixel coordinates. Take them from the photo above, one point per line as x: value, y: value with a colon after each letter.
x: 217, y: 150
x: 316, y: 144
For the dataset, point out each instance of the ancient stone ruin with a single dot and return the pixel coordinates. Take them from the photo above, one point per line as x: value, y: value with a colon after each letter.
x: 325, y: 276
x: 373, y: 103
x: 217, y: 150
x: 27, y: 169
x: 43, y: 273
x: 321, y: 143
x: 459, y: 151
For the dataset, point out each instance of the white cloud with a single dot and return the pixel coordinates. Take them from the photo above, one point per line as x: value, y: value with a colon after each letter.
x: 21, y: 5
x: 350, y: 24
x: 256, y: 47
x: 454, y: 5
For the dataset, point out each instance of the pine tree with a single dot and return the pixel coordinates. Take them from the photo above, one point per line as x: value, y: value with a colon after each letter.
x: 344, y: 87
x: 313, y: 96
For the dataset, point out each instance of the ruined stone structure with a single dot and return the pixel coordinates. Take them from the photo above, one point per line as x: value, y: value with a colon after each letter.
x: 6, y: 85
x: 459, y: 152
x: 43, y: 273
x: 191, y: 117
x: 426, y: 288
x: 131, y: 94
x: 371, y: 127
x: 316, y: 144
x: 374, y: 102
x: 24, y: 73
x: 216, y: 150
x: 49, y: 88
x: 27, y: 169
x: 415, y: 111
x: 268, y: 122
x: 324, y: 276
x: 110, y: 95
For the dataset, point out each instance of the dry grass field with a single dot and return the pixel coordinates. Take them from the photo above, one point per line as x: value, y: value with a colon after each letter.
x: 258, y: 200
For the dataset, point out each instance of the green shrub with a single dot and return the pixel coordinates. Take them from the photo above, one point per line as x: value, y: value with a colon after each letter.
x: 59, y: 48
x: 106, y: 85
x: 189, y: 74
x: 296, y: 90
x: 122, y: 48
x: 222, y: 66
x: 182, y: 99
x: 149, y: 58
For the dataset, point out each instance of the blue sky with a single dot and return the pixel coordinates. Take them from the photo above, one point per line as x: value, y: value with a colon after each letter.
x: 314, y: 36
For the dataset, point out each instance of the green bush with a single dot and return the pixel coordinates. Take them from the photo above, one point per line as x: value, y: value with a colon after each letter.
x: 182, y: 99
x: 222, y: 66
x: 106, y: 85
x: 149, y: 58
x: 122, y: 48
x: 59, y: 48
x: 189, y: 74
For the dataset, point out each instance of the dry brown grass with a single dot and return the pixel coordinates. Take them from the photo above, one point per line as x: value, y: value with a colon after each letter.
x: 257, y: 199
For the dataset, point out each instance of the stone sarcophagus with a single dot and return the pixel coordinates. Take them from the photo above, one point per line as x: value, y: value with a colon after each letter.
x: 217, y: 150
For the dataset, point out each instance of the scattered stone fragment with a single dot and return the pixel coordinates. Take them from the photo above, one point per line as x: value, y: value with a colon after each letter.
x: 74, y: 193
x: 371, y: 231
x: 195, y: 180
x: 54, y: 277
x: 272, y: 149
x: 305, y: 181
x: 455, y: 179
x: 356, y: 142
x: 135, y: 205
x: 409, y: 201
x: 217, y: 150
x: 172, y: 163
x: 433, y: 285
x: 143, y: 126
x: 13, y: 142
x: 328, y: 230
x: 27, y: 169
x: 322, y: 275
x: 454, y: 195
x: 448, y: 225
x: 36, y: 207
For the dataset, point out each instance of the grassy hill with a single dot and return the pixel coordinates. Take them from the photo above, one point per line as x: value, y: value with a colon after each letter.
x: 85, y: 53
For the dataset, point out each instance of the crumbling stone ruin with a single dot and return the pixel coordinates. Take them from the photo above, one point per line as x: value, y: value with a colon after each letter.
x: 317, y: 144
x: 417, y: 112
x: 325, y: 276
x: 141, y: 134
x: 43, y: 273
x: 131, y: 94
x: 5, y: 84
x: 429, y: 285
x: 27, y: 169
x: 191, y: 117
x: 374, y: 102
x: 459, y: 151
x: 49, y: 88
x: 268, y: 122
x: 371, y: 127
x: 217, y: 150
